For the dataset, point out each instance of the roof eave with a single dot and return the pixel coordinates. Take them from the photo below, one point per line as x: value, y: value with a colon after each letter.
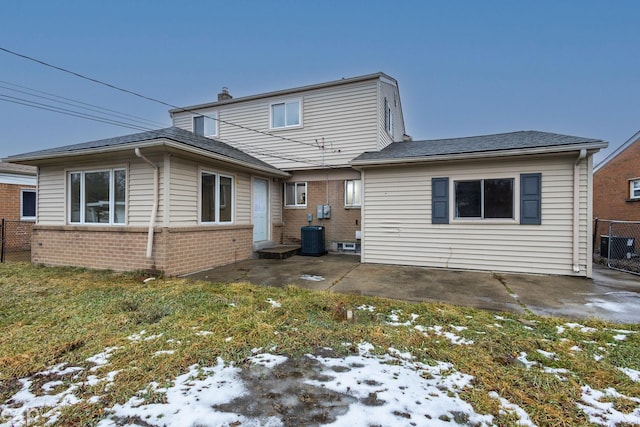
x: 282, y: 92
x: 591, y: 146
x: 163, y: 142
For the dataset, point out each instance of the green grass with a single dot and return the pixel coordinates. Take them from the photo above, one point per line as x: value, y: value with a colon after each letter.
x: 50, y: 316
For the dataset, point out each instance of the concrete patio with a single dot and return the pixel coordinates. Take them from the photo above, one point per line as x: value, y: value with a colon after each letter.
x: 610, y: 295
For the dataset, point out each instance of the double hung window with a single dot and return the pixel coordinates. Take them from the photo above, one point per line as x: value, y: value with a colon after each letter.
x: 206, y: 125
x: 27, y: 205
x: 295, y: 194
x: 484, y: 198
x: 97, y: 197
x: 353, y: 193
x: 634, y: 189
x: 285, y: 114
x: 216, y: 198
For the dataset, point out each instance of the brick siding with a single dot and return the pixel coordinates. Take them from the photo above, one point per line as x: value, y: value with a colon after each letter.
x: 342, y: 225
x: 175, y: 251
x: 10, y: 200
x: 611, y: 186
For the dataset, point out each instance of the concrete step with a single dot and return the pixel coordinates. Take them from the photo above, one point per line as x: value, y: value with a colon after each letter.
x: 278, y: 252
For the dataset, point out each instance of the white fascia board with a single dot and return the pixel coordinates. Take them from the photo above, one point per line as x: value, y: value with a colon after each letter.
x: 591, y: 147
x: 18, y: 179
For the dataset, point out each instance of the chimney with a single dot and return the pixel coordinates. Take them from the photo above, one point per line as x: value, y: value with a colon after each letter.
x: 224, y: 95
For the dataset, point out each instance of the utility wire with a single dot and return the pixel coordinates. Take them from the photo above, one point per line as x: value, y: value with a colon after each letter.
x: 76, y: 103
x: 130, y: 92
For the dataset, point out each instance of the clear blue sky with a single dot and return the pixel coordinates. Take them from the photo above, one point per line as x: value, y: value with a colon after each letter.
x: 464, y: 67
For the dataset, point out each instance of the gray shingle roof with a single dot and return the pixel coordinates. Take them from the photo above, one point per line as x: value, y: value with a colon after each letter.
x: 172, y: 133
x: 17, y: 169
x: 522, y: 140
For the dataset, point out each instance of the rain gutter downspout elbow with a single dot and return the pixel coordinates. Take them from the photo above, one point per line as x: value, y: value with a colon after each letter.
x: 576, y: 210
x: 154, y: 210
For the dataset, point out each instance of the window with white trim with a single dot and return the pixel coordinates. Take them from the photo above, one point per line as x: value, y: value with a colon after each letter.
x: 286, y: 114
x: 634, y: 188
x: 353, y: 193
x: 295, y: 194
x: 27, y: 205
x: 206, y: 124
x: 97, y: 196
x: 484, y: 198
x: 216, y: 198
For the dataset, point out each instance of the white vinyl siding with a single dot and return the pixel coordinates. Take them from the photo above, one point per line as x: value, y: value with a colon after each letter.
x: 140, y: 191
x: 389, y: 93
x: 51, y: 195
x: 343, y: 117
x: 398, y: 230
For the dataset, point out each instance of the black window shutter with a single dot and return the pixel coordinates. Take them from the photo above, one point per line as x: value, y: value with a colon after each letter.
x: 531, y: 198
x: 440, y: 200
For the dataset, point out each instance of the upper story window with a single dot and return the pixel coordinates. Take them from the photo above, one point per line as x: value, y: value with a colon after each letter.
x: 388, y: 117
x: 484, y: 198
x: 216, y: 198
x: 353, y: 193
x: 27, y: 205
x: 285, y: 114
x: 97, y: 196
x: 634, y: 188
x: 206, y: 125
x: 295, y: 194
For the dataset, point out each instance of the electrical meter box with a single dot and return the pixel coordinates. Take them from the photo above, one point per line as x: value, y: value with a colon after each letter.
x: 323, y: 211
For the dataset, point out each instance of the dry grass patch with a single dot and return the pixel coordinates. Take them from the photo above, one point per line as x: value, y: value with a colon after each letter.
x: 157, y: 330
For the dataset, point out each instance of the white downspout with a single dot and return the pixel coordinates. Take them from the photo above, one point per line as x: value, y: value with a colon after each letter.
x: 576, y: 210
x: 154, y: 210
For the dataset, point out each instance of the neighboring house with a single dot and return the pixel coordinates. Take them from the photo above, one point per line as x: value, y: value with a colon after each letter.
x: 18, y: 192
x: 616, y: 183
x: 166, y: 200
x: 515, y: 202
x: 312, y: 132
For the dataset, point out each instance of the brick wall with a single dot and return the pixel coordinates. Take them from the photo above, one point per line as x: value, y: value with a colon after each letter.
x: 611, y: 186
x: 10, y: 200
x: 175, y: 250
x: 342, y: 225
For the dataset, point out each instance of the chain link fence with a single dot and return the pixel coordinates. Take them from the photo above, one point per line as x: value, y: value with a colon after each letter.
x: 616, y: 244
x: 15, y: 244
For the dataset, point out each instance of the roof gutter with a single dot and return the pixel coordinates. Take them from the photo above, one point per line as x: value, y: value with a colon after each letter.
x: 359, y: 164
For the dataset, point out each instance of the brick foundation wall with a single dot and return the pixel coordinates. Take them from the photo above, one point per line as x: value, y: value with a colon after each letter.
x: 611, y: 187
x: 342, y: 225
x: 175, y: 250
x: 199, y: 248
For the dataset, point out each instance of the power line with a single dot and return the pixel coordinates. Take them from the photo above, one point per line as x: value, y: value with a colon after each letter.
x: 130, y: 92
x: 47, y: 107
x: 76, y: 103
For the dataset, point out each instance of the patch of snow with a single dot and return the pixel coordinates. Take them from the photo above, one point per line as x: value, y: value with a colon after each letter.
x: 232, y: 304
x: 438, y: 330
x: 512, y: 408
x: 556, y: 372
x: 598, y: 357
x: 228, y: 339
x: 153, y: 337
x: 523, y: 359
x: 604, y: 413
x: 620, y: 337
x: 583, y: 329
x: 631, y: 373
x: 138, y: 336
x: 547, y: 354
x: 366, y: 308
x: 312, y: 278
x: 458, y: 328
x: 575, y: 348
x: 268, y: 360
x: 203, y: 333
x: 499, y: 317
x: 101, y: 359
x: 560, y: 329
x: 274, y: 303
x: 397, y: 353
